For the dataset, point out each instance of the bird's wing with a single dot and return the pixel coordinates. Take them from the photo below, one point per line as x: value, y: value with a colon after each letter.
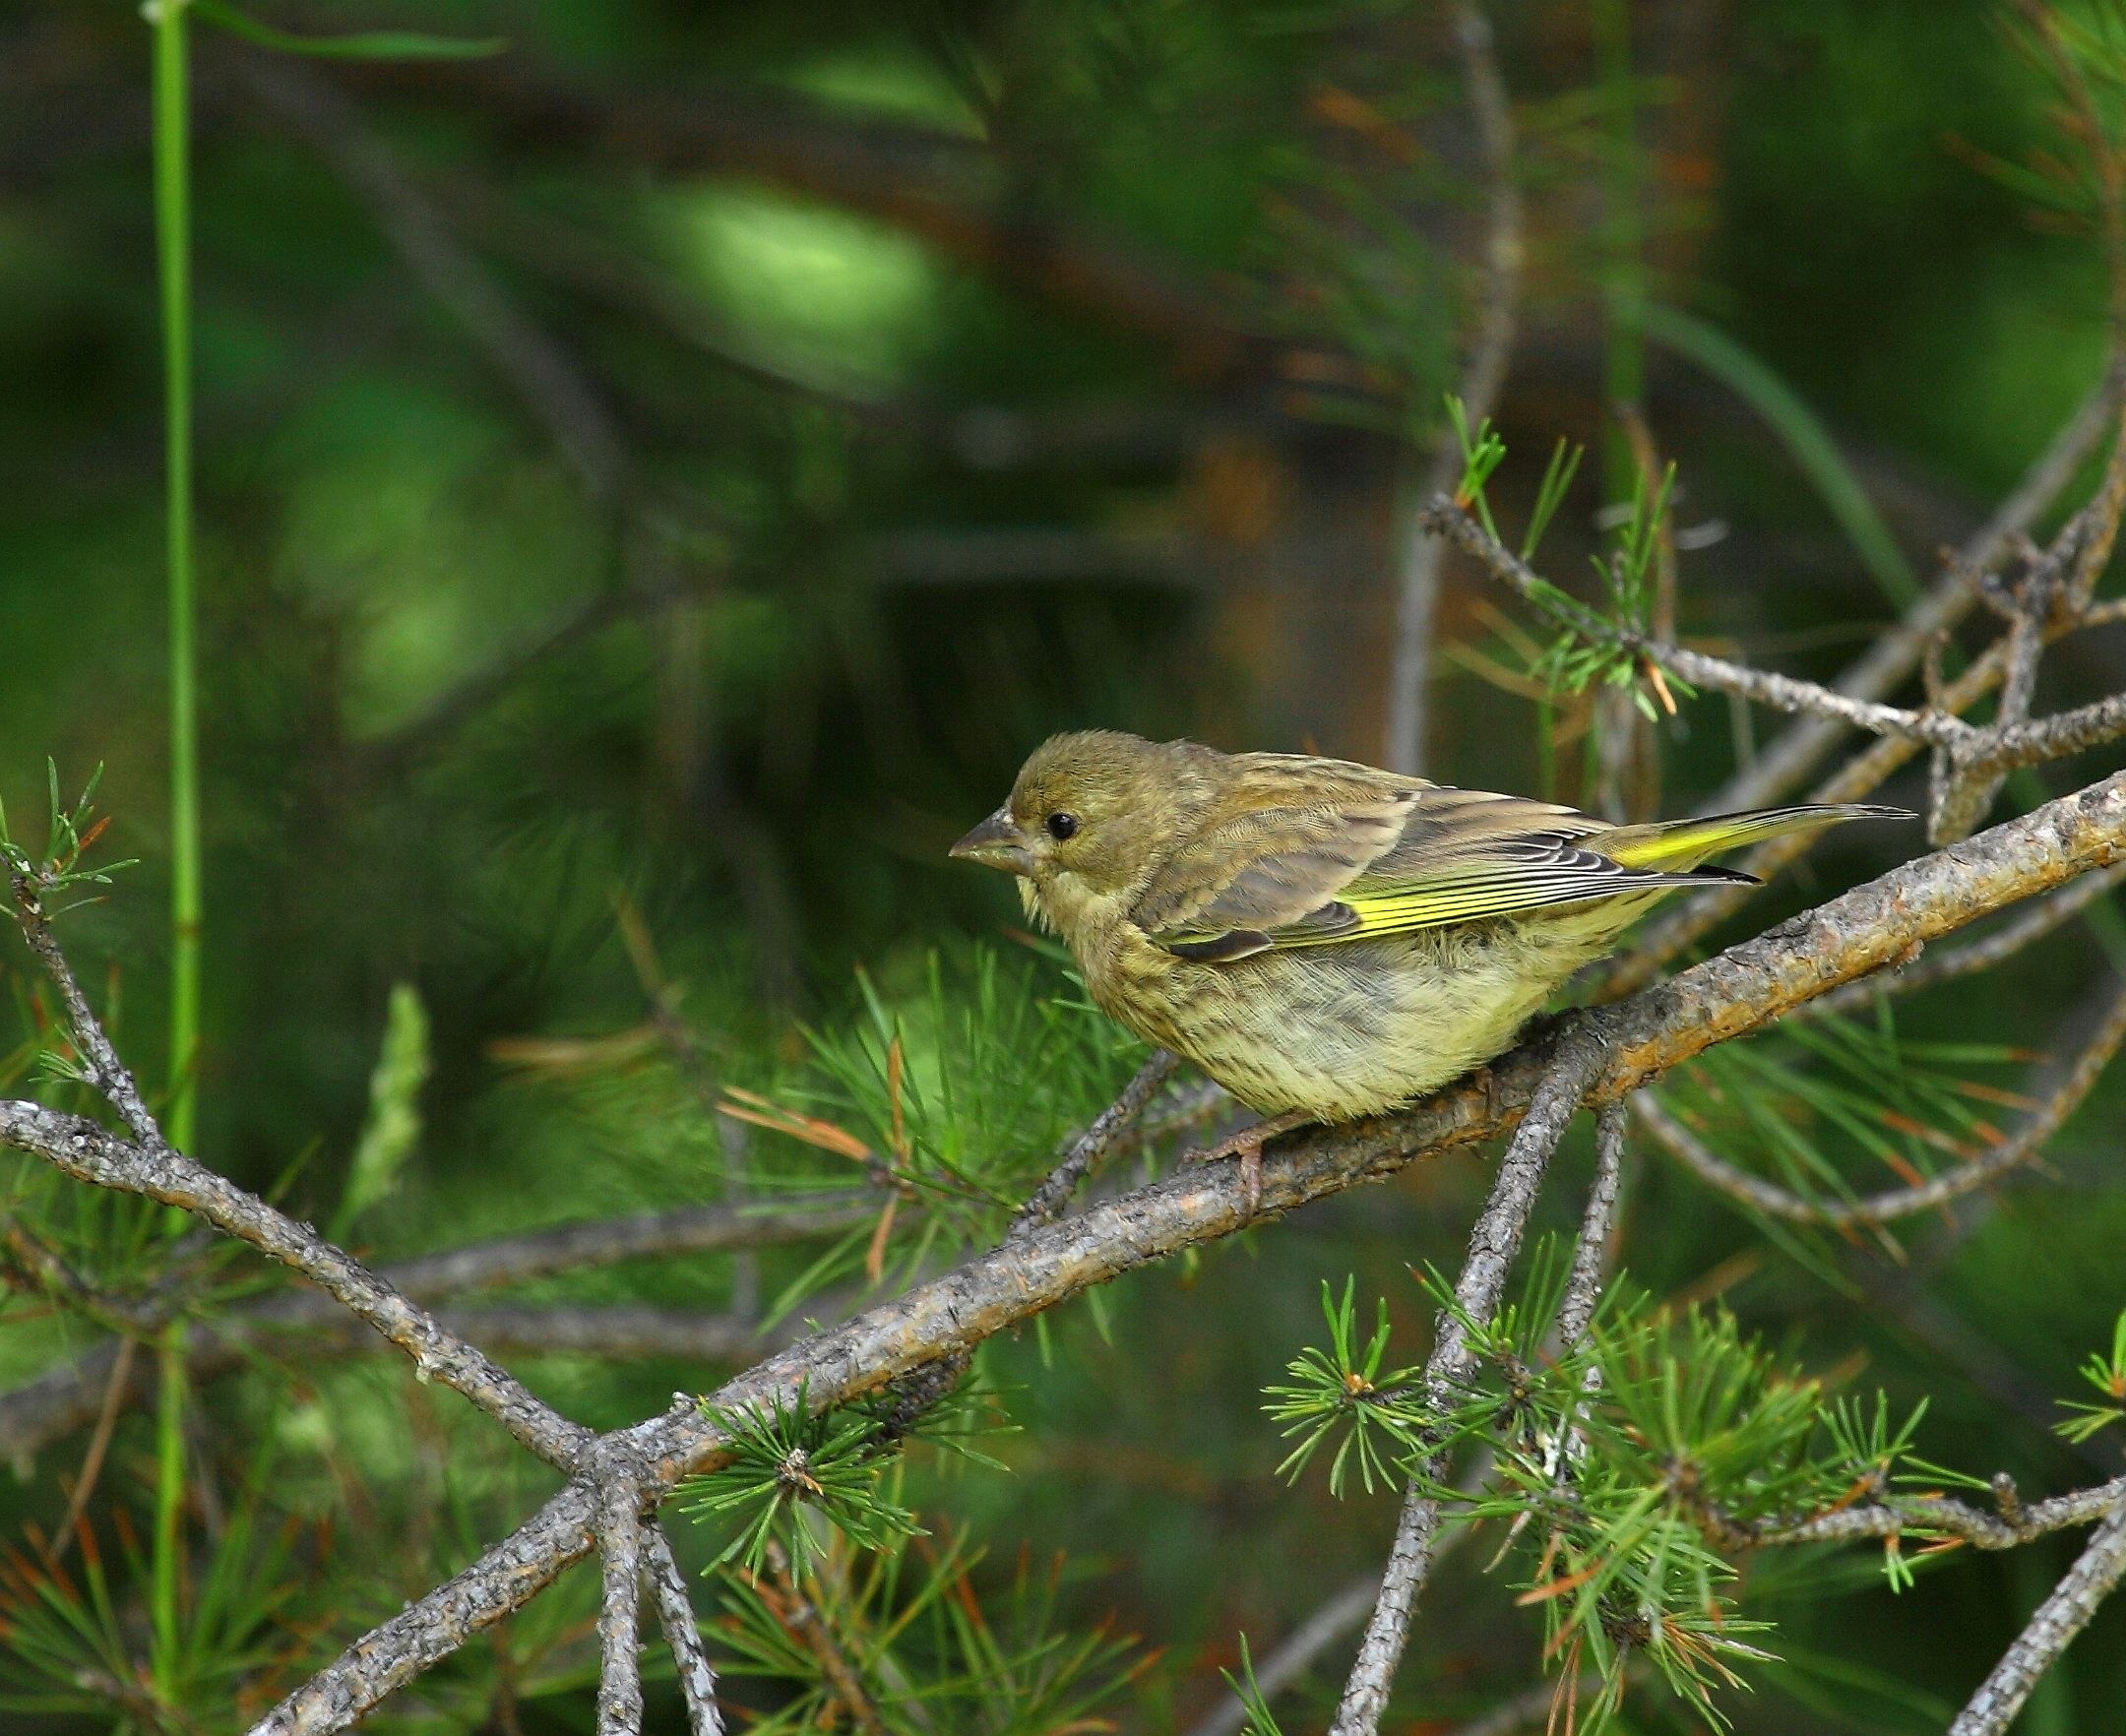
x: 1313, y: 876
x: 1268, y: 870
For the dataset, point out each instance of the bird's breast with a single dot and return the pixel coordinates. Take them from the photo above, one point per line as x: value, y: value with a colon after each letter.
x: 1339, y: 1030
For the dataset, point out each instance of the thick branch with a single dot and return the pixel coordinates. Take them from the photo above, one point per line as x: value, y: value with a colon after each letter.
x: 2027, y: 927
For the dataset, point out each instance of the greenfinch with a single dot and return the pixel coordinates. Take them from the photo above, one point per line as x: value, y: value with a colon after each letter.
x: 1323, y: 939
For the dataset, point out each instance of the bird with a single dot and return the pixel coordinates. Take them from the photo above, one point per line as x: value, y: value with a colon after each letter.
x: 1327, y: 940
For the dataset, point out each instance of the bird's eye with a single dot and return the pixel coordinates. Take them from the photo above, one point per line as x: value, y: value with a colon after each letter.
x: 1062, y: 826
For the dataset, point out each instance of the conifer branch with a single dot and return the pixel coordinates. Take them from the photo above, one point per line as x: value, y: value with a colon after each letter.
x: 1777, y: 771
x: 2018, y: 1148
x: 619, y: 1541
x: 1931, y: 969
x: 1785, y: 693
x: 1493, y: 1243
x: 2017, y: 1524
x: 1091, y: 1147
x: 1591, y: 1252
x: 2063, y: 1614
x: 1971, y: 760
x: 1483, y: 377
x: 1725, y: 997
x: 683, y: 1633
x: 146, y: 1166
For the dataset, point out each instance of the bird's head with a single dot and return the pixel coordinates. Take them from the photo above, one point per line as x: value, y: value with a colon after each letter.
x: 1090, y: 817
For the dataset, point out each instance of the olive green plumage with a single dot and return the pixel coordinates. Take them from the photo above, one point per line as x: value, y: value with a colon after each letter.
x: 1319, y: 936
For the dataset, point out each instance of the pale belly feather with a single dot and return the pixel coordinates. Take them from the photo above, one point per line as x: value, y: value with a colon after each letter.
x: 1358, y: 1026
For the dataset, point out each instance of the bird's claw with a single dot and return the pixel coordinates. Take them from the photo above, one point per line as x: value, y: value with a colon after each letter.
x: 1246, y: 1145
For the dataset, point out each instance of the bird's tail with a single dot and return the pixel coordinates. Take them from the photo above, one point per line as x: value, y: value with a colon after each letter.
x: 1684, y: 844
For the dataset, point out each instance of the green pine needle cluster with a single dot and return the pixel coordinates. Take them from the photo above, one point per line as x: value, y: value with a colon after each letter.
x: 2107, y: 1374
x: 1833, y: 1108
x: 70, y: 829
x: 916, y: 1637
x: 1631, y: 1473
x: 953, y: 1097
x: 793, y: 1473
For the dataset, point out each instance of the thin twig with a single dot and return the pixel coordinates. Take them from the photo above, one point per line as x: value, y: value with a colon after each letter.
x: 1943, y: 1516
x: 101, y: 1071
x: 619, y: 1541
x: 150, y: 1167
x: 1493, y: 1243
x: 1591, y: 1252
x: 645, y: 1235
x: 92, y: 1466
x: 1785, y: 693
x: 1780, y: 770
x: 1931, y: 969
x: 2018, y: 1148
x: 1482, y: 378
x: 1665, y: 937
x: 1091, y: 1147
x: 64, y: 1398
x: 675, y: 1615
x: 801, y: 1616
x: 1294, y: 1654
x: 2064, y: 1614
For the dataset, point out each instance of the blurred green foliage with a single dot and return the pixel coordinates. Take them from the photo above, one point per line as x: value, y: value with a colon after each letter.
x: 974, y: 369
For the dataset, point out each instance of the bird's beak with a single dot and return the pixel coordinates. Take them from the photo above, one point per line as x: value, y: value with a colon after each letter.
x: 996, y: 843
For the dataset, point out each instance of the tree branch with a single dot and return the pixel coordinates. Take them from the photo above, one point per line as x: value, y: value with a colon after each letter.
x: 2062, y: 1615
x: 64, y: 1398
x: 1591, y: 1252
x: 1493, y: 1244
x: 2010, y: 1154
x: 1940, y: 1515
x: 1780, y: 770
x: 147, y: 1166
x: 1785, y: 693
x: 1482, y: 378
x: 675, y: 1615
x: 1091, y: 1147
x: 619, y: 1538
x: 1931, y: 969
x: 1724, y: 998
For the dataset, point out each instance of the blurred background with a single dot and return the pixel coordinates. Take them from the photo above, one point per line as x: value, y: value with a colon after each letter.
x: 661, y: 478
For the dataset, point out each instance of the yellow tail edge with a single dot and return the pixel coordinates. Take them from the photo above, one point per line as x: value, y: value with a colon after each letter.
x: 1684, y: 844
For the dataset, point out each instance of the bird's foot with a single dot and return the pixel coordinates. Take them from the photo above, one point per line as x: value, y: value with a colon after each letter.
x: 1246, y: 1144
x: 1486, y: 1080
